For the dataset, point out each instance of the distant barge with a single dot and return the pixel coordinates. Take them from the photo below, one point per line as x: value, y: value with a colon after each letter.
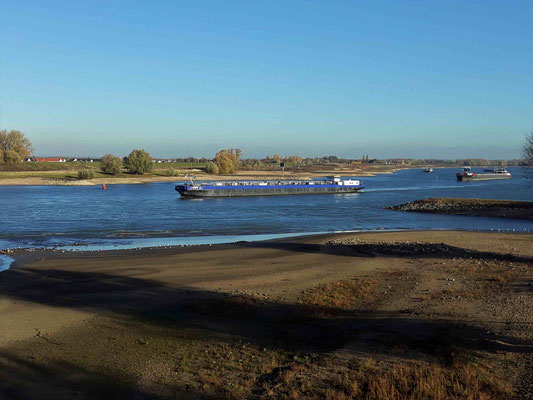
x: 332, y: 185
x: 496, y: 173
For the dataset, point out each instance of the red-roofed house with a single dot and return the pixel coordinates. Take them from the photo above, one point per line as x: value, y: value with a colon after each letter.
x: 50, y: 159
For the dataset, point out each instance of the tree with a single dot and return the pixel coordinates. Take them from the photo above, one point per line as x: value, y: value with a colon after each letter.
x: 14, y: 146
x: 227, y: 161
x: 12, y: 157
x: 111, y: 164
x: 527, y: 149
x: 293, y: 159
x: 138, y: 162
x: 276, y: 158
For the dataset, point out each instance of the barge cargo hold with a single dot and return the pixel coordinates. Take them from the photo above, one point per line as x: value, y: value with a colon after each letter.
x: 333, y: 185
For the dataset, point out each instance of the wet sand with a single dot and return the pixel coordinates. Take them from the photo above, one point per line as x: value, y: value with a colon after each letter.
x: 162, y: 323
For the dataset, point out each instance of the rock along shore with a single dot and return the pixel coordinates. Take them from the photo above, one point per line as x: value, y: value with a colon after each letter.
x: 476, y: 207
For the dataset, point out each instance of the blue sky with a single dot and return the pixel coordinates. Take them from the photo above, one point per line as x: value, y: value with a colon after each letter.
x: 445, y: 79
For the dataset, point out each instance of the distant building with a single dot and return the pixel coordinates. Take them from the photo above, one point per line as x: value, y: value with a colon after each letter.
x: 50, y: 159
x: 398, y: 161
x: 353, y: 164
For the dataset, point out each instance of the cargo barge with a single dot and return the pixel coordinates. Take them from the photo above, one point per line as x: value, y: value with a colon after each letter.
x: 497, y: 173
x: 333, y: 185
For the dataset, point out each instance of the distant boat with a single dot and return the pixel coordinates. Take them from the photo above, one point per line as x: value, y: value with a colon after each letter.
x: 428, y: 170
x: 497, y: 173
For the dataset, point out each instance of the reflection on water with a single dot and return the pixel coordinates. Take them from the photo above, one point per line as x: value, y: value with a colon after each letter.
x: 45, y: 216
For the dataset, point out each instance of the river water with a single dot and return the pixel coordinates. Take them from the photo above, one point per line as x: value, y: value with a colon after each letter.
x: 153, y: 214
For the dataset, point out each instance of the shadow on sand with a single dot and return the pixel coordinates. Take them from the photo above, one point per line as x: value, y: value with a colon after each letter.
x: 420, y: 250
x: 219, y: 317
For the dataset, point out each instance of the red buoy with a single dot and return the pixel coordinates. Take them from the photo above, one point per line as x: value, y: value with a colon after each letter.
x: 104, y: 187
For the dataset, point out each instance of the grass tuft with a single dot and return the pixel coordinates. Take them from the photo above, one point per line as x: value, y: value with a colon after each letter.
x: 337, y: 296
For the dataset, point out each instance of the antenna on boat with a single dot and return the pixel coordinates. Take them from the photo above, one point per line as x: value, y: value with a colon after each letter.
x: 190, y: 177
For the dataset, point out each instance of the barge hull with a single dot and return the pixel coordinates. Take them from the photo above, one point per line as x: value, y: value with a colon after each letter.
x: 482, y: 177
x: 269, y: 191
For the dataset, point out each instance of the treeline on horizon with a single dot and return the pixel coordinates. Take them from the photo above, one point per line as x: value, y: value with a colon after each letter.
x: 334, y: 159
x: 15, y: 147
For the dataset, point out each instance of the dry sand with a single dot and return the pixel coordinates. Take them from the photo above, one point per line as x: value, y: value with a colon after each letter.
x: 271, y: 319
x: 41, y: 178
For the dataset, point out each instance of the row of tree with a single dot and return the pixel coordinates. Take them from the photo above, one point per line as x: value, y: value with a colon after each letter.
x: 137, y: 162
x: 14, y: 147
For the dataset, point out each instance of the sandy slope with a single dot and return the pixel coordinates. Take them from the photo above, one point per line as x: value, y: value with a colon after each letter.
x: 65, y: 309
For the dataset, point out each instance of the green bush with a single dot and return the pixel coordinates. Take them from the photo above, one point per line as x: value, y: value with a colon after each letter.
x: 111, y: 164
x: 138, y: 162
x: 172, y: 172
x: 211, y: 168
x: 86, y: 174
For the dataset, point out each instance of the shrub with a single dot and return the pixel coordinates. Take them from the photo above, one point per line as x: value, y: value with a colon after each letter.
x: 211, y: 168
x: 86, y: 174
x: 172, y: 172
x: 111, y: 164
x: 138, y: 162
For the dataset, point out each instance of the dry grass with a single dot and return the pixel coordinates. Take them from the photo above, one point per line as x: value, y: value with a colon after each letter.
x: 343, y: 295
x: 330, y: 299
x: 370, y: 380
x: 501, y: 277
x: 458, y: 293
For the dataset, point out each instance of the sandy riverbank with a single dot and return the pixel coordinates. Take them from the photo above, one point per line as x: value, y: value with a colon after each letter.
x: 47, y: 177
x: 312, y: 317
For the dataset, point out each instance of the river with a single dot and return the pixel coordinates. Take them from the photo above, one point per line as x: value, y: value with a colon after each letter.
x: 153, y: 214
